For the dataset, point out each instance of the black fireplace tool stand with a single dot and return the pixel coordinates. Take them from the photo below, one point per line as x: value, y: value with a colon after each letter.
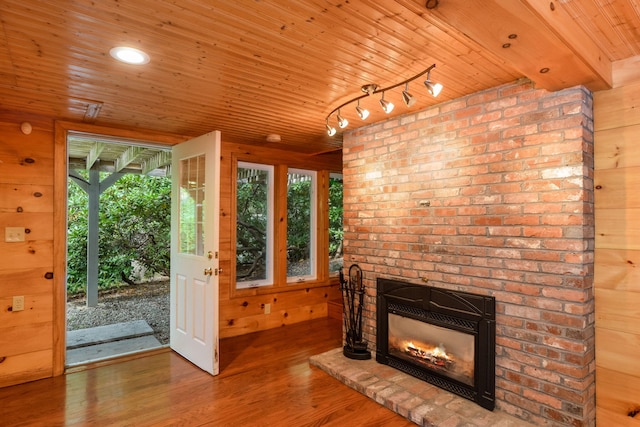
x: 352, y: 301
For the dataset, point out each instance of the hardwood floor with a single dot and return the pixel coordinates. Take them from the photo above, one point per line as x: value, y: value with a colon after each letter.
x: 265, y: 380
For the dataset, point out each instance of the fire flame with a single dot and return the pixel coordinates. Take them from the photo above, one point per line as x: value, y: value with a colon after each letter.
x: 438, y: 351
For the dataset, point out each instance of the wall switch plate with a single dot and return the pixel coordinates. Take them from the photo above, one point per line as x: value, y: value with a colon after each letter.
x: 18, y: 303
x: 267, y: 308
x: 14, y: 234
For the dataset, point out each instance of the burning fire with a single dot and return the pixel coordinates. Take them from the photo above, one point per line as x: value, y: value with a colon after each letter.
x: 434, y: 355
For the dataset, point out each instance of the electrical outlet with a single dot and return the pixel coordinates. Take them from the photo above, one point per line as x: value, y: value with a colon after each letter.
x: 267, y: 308
x: 18, y: 303
x: 14, y: 234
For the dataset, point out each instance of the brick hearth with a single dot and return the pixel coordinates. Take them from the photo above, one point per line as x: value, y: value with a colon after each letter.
x: 420, y: 402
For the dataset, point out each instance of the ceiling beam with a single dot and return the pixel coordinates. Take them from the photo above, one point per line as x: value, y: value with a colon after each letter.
x: 160, y: 159
x: 539, y: 39
x: 127, y: 157
x: 94, y: 154
x: 556, y: 17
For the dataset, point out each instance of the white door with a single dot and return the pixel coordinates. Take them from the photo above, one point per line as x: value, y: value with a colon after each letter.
x: 195, y: 218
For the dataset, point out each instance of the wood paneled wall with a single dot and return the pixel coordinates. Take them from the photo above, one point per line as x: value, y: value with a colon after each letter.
x: 617, y: 253
x: 243, y: 311
x: 26, y: 268
x: 32, y: 193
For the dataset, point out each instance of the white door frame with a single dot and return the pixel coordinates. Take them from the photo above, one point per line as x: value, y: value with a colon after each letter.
x: 58, y: 272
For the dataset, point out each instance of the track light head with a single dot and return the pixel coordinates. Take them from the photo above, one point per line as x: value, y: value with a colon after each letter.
x: 330, y: 129
x: 387, y: 106
x: 408, y: 99
x: 342, y: 122
x: 433, y: 88
x: 362, y: 112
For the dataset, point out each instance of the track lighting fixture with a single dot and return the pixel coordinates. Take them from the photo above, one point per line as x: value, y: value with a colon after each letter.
x: 342, y: 122
x: 362, y: 112
x: 369, y: 89
x: 408, y: 99
x: 387, y: 106
x: 433, y: 88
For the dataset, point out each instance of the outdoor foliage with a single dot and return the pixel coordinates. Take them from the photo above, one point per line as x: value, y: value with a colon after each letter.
x: 135, y: 222
x: 251, y: 227
x: 299, y: 219
x: 336, y: 230
x: 251, y: 224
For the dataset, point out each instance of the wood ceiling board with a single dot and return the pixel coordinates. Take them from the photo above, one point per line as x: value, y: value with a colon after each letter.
x: 526, y: 41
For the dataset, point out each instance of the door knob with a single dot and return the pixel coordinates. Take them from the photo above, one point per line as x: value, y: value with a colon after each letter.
x: 208, y: 272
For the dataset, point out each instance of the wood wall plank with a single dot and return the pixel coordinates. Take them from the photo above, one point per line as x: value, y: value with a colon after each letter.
x: 26, y: 254
x: 26, y: 198
x: 618, y: 310
x: 618, y: 394
x: 26, y: 367
x: 617, y: 269
x: 618, y: 189
x: 38, y: 226
x: 248, y: 324
x: 617, y: 108
x: 23, y: 159
x: 617, y: 148
x: 38, y: 308
x: 618, y: 229
x: 16, y: 340
x: 618, y: 351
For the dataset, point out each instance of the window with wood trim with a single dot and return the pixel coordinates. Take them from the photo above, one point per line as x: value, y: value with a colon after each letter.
x: 301, y: 225
x: 254, y: 225
x: 336, y: 227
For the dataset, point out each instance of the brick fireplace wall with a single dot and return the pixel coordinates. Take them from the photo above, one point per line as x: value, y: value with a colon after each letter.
x: 491, y: 194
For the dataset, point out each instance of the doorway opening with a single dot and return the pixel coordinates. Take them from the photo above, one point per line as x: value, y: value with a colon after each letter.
x: 118, y: 247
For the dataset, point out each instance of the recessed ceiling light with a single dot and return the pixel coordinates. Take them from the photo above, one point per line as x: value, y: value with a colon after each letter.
x: 129, y: 55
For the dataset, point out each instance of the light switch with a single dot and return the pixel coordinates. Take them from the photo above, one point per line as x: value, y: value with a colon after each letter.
x: 14, y: 234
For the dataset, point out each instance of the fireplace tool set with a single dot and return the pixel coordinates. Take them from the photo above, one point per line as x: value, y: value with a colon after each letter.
x: 352, y: 301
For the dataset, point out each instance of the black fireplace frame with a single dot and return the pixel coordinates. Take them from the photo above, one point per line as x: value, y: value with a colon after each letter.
x: 461, y: 311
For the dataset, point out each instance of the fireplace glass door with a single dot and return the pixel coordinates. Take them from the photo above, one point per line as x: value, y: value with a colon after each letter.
x: 446, y: 351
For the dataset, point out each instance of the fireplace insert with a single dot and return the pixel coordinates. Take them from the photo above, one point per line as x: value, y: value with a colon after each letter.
x: 441, y: 336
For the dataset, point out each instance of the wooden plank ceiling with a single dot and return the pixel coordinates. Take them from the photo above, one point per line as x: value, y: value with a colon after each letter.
x: 251, y: 68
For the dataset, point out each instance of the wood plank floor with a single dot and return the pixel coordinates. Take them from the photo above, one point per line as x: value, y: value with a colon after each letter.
x: 265, y: 380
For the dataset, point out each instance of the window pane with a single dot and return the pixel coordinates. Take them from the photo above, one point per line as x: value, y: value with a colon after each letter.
x: 254, y: 226
x: 192, y: 205
x: 301, y: 220
x: 336, y: 229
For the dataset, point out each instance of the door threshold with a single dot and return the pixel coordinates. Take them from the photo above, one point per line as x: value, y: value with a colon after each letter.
x: 83, y: 366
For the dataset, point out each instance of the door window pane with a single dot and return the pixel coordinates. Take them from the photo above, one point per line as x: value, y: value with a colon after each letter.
x: 254, y: 225
x: 301, y: 225
x: 191, y: 227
